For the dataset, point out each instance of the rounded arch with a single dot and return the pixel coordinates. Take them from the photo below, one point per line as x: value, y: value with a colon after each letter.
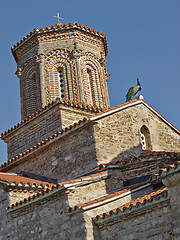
x: 56, y: 60
x: 145, y: 138
x: 30, y: 87
x: 92, y: 80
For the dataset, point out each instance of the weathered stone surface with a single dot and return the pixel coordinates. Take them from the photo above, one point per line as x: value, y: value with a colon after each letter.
x: 150, y: 224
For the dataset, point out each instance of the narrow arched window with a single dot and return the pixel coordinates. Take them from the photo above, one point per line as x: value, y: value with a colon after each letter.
x: 61, y: 83
x: 145, y: 138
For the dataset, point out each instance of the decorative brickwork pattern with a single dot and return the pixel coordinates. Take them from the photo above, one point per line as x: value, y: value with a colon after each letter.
x: 55, y: 60
x: 92, y: 80
x: 30, y: 87
x: 60, y: 31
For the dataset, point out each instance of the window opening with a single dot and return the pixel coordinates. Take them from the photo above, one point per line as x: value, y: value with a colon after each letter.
x: 61, y: 83
x: 145, y: 138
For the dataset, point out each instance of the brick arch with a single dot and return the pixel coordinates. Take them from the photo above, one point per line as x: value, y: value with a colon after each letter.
x: 30, y: 85
x: 95, y: 93
x: 59, y: 58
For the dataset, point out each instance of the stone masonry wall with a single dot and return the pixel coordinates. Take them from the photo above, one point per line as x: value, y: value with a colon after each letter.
x: 111, y: 138
x: 16, y: 195
x: 66, y: 158
x: 42, y: 221
x: 118, y: 135
x: 150, y: 223
x: 42, y: 127
x: 172, y: 181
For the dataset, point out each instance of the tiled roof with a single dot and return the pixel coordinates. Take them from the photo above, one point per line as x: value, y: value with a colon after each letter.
x: 50, y: 105
x: 54, y: 136
x: 147, y: 155
x: 60, y: 26
x: 105, y: 198
x: 12, y: 179
x: 43, y: 143
x: 61, y: 185
x: 137, y: 100
x: 109, y: 110
x: 153, y: 196
x: 75, y: 125
x: 162, y: 172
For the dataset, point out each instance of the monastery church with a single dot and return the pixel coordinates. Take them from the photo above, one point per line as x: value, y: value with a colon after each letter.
x: 78, y: 169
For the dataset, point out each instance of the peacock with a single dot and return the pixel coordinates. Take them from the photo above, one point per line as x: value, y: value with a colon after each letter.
x: 133, y: 90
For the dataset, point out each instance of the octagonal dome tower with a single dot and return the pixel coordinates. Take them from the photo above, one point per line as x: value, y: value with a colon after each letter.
x: 64, y: 61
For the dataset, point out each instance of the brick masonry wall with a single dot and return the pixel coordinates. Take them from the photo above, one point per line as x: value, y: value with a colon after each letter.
x: 33, y: 132
x: 42, y: 127
x: 111, y: 138
x: 63, y: 49
x: 153, y: 223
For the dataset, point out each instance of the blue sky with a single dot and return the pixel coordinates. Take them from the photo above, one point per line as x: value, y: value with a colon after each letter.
x: 143, y: 39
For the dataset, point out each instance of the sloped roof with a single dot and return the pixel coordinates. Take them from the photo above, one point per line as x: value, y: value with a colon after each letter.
x: 44, y: 143
x: 147, y: 155
x: 75, y: 104
x: 135, y: 101
x: 12, y: 179
x: 106, y: 197
x: 53, y: 188
x: 164, y: 171
x: 60, y: 26
x: 148, y: 198
x: 83, y: 122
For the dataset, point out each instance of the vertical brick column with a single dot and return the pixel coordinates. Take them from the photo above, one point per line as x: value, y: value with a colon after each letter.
x: 40, y: 60
x: 77, y: 56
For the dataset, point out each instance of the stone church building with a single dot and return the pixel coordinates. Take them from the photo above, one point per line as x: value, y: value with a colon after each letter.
x: 78, y: 169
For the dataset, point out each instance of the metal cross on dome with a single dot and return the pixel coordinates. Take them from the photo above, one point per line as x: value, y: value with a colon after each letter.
x: 58, y: 17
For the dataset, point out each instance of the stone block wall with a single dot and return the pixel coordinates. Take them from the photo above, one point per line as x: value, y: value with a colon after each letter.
x: 42, y: 127
x: 172, y: 181
x: 118, y: 135
x: 69, y: 157
x: 149, y: 223
x: 44, y: 220
x: 111, y: 138
x: 16, y: 195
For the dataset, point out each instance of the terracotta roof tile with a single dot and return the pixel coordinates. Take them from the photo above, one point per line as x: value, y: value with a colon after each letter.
x: 138, y: 99
x: 116, y: 107
x: 60, y: 26
x: 55, y: 187
x: 74, y: 125
x: 155, y: 195
x: 146, y: 156
x: 42, y: 143
x: 108, y: 196
x: 50, y: 105
x: 162, y: 172
x: 15, y: 180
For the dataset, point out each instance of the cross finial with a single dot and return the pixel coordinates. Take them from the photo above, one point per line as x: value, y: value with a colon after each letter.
x: 58, y: 17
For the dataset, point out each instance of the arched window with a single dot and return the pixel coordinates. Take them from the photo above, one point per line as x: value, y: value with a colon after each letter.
x: 61, y: 82
x: 145, y: 138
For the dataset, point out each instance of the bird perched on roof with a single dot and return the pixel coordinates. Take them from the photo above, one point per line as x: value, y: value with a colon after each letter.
x: 133, y: 90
